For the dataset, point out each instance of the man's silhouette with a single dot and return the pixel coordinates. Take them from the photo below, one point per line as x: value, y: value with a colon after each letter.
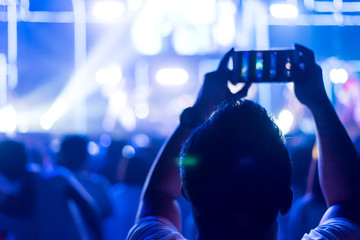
x: 235, y: 170
x: 39, y: 205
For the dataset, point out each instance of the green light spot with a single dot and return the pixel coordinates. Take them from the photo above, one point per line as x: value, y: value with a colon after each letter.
x: 189, y: 162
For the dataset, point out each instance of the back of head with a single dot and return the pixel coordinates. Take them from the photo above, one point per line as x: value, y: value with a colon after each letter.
x: 236, y: 169
x: 13, y: 159
x: 73, y: 152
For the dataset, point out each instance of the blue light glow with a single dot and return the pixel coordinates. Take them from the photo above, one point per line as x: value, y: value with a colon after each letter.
x: 128, y: 151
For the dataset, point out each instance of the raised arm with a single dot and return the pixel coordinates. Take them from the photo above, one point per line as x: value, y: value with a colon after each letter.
x: 163, y: 185
x: 86, y: 204
x: 339, y: 164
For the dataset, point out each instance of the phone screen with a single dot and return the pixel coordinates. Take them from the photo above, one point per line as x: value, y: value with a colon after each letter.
x: 264, y: 66
x: 259, y: 66
x: 245, y: 66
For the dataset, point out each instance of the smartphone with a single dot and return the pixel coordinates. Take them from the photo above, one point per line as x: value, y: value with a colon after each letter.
x: 264, y: 66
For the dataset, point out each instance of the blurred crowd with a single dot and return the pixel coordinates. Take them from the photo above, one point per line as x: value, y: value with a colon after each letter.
x: 64, y: 192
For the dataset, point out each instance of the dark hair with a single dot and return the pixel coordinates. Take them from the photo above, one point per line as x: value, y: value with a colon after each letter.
x: 73, y: 152
x: 236, y: 169
x: 13, y: 159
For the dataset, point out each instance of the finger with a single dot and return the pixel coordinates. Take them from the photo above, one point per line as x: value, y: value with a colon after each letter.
x: 220, y: 77
x: 211, y: 75
x: 224, y: 61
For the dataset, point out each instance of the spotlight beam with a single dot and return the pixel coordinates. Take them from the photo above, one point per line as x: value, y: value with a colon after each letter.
x: 82, y: 85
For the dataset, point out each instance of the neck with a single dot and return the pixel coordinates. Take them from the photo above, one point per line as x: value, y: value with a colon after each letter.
x: 270, y: 233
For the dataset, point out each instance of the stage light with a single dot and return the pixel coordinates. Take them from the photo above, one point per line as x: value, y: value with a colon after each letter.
x: 142, y: 110
x: 188, y: 42
x: 172, y: 76
x: 23, y: 127
x: 127, y: 119
x: 338, y: 75
x: 105, y: 140
x: 285, y: 121
x: 109, y: 75
x: 145, y: 29
x: 81, y: 84
x: 147, y: 43
x: 93, y: 148
x: 8, y: 119
x: 141, y: 140
x: 108, y: 11
x: 45, y: 123
x: 54, y: 113
x: 224, y: 31
x: 128, y: 151
x: 284, y: 11
x: 198, y: 12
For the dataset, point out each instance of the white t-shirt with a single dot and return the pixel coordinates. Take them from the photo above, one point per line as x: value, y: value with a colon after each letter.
x: 159, y: 228
x: 335, y: 229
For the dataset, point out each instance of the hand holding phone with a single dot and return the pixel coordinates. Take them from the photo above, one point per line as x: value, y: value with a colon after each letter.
x: 265, y: 66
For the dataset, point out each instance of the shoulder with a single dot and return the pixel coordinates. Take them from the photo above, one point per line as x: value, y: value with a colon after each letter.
x: 153, y: 227
x: 95, y: 179
x: 57, y: 172
x: 335, y: 229
x: 59, y: 177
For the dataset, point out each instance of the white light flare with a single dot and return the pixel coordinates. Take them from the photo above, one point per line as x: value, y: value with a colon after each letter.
x: 105, y: 140
x: 284, y: 11
x: 224, y: 30
x: 109, y: 75
x: 128, y: 151
x: 338, y: 75
x: 54, y: 113
x: 197, y: 12
x: 285, y: 121
x: 142, y: 110
x: 108, y: 11
x: 172, y: 76
x: 146, y: 34
x: 8, y: 119
x: 141, y: 140
x: 93, y: 148
x: 127, y: 119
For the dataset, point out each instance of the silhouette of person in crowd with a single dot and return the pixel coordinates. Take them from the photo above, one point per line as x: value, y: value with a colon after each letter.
x: 74, y: 156
x: 125, y: 197
x: 113, y: 168
x: 235, y: 169
x: 307, y: 210
x: 36, y: 205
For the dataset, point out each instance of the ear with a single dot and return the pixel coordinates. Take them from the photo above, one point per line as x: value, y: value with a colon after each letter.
x: 287, y: 202
x: 183, y: 193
